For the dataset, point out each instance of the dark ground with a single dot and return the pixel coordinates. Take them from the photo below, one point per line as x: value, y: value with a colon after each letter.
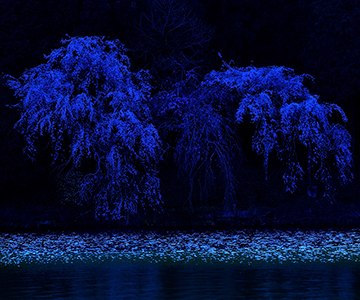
x: 16, y: 215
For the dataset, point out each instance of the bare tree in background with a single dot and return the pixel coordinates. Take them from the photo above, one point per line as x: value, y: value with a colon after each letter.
x: 171, y: 38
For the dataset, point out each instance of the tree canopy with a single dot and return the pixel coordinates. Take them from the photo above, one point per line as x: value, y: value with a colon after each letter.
x: 93, y: 110
x: 285, y: 112
x: 97, y: 117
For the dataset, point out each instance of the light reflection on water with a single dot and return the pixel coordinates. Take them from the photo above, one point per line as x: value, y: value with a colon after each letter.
x: 115, y: 280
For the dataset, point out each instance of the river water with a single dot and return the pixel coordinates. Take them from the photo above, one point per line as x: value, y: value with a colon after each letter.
x: 181, y: 265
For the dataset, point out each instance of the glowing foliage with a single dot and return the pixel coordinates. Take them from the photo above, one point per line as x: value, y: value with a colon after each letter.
x: 285, y: 113
x: 308, y: 123
x: 94, y: 109
x: 95, y: 112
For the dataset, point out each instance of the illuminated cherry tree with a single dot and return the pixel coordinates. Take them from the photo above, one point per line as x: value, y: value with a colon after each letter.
x: 94, y: 111
x: 285, y: 112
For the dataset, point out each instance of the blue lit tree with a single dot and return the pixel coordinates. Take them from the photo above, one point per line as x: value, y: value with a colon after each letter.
x: 204, y: 143
x: 94, y: 111
x: 285, y: 112
x: 308, y: 122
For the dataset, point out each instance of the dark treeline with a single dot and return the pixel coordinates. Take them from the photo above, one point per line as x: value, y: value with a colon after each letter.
x: 170, y: 38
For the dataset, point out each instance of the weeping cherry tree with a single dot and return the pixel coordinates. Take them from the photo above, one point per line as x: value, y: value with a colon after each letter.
x: 285, y: 112
x: 94, y: 111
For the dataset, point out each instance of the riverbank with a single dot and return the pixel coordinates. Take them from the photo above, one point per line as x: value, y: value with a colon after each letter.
x: 177, y: 246
x: 178, y: 264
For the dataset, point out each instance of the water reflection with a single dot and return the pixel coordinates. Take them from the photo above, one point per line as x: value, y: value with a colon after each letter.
x: 176, y: 281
